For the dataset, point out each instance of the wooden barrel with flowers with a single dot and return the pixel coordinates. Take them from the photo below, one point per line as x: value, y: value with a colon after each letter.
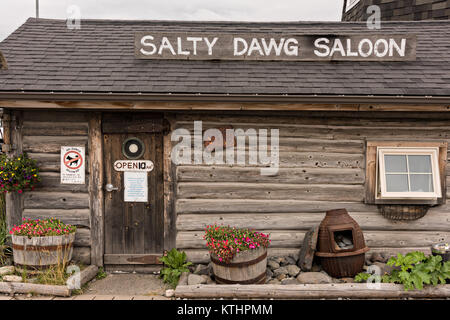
x: 40, y: 244
x: 238, y: 256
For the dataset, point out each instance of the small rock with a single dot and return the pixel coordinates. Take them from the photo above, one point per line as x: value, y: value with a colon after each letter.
x: 293, y: 270
x: 210, y: 281
x: 206, y: 278
x: 201, y: 269
x: 379, y: 266
x: 281, y: 276
x: 6, y: 270
x: 269, y: 273
x: 284, y: 262
x: 170, y: 293
x: 183, y: 279
x: 272, y: 264
x: 347, y: 280
x: 376, y: 257
x: 29, y: 295
x: 12, y: 278
x: 291, y: 260
x: 289, y: 281
x: 194, y: 279
x: 276, y: 259
x: 279, y: 271
x: 314, y: 278
x: 273, y: 281
x: 316, y: 268
x: 386, y: 256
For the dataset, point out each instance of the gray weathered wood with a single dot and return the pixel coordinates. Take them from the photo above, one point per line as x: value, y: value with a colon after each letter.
x: 224, y: 47
x: 77, y: 217
x: 309, y: 291
x: 193, y: 190
x: 51, y: 144
x: 85, y: 276
x: 96, y: 181
x: 19, y: 287
x: 56, y: 200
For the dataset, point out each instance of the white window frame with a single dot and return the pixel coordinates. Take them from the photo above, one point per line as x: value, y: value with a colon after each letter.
x: 381, y: 174
x: 350, y: 4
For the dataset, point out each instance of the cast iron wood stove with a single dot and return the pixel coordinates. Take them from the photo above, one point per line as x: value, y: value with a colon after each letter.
x: 341, y: 245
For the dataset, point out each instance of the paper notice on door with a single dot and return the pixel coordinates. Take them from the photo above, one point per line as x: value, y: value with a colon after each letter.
x: 136, y: 186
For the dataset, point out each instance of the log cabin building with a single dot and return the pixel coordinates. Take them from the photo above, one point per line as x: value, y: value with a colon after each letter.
x: 360, y: 131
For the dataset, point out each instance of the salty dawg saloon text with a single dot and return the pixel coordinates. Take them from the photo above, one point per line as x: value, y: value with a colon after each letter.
x: 284, y: 47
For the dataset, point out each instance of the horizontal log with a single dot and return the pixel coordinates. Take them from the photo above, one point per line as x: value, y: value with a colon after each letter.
x: 86, y: 275
x: 76, y: 217
x: 264, y: 206
x: 433, y: 221
x: 44, y: 289
x: 82, y: 255
x: 55, y: 200
x: 52, y: 144
x: 54, y: 128
x: 292, y: 175
x: 328, y: 119
x: 294, y: 239
x: 82, y: 237
x: 51, y: 115
x: 309, y: 291
x: 51, y: 162
x: 51, y: 181
x: 193, y: 190
x: 297, y: 160
x: 202, y: 256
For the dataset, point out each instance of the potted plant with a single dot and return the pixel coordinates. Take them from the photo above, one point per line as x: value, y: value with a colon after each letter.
x: 40, y: 244
x: 237, y: 255
x: 18, y: 174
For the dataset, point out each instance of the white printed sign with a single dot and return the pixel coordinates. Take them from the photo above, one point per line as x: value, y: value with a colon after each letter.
x: 72, y: 165
x: 133, y: 165
x: 136, y: 186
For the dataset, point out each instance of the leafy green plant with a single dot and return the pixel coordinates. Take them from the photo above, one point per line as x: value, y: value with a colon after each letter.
x: 101, y: 274
x: 416, y: 269
x: 413, y: 270
x: 174, y: 265
x: 5, y: 250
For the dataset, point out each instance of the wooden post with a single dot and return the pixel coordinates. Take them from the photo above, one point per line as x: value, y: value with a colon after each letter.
x: 169, y: 208
x: 96, y: 178
x: 12, y: 126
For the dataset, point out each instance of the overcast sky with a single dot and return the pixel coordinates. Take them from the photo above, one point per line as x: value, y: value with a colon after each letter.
x: 15, y: 12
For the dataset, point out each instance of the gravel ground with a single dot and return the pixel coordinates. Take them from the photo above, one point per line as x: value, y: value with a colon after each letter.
x: 129, y: 284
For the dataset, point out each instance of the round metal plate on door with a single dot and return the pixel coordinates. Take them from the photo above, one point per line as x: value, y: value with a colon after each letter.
x: 133, y: 148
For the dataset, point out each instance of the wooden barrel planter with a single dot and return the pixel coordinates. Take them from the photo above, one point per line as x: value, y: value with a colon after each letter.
x: 247, y: 267
x: 39, y: 253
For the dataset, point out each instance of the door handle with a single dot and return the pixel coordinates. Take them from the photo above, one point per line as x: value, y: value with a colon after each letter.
x: 109, y: 187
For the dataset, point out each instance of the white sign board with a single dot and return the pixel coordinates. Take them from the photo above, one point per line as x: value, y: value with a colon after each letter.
x: 73, y: 165
x: 133, y: 165
x: 136, y: 186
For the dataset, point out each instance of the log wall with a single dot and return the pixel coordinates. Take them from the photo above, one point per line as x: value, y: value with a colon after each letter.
x: 43, y: 135
x: 322, y: 167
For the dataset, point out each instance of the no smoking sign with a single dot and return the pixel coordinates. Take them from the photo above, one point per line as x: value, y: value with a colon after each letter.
x: 72, y: 165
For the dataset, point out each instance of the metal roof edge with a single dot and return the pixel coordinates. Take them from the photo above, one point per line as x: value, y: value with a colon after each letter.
x: 238, y: 98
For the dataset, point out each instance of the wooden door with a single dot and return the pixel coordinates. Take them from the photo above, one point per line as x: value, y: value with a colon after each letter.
x: 134, y: 231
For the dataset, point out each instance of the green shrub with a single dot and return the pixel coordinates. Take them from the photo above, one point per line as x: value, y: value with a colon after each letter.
x: 413, y: 270
x: 174, y: 265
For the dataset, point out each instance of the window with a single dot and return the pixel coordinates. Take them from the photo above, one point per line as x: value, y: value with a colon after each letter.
x: 351, y: 4
x: 405, y: 173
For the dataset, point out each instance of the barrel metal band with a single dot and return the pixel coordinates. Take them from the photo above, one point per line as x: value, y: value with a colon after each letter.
x: 259, y: 279
x: 239, y: 264
x: 41, y: 248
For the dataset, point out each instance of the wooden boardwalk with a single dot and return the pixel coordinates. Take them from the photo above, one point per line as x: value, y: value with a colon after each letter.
x: 84, y: 297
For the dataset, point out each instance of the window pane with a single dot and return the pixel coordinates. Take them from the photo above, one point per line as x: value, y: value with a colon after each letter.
x: 421, y: 182
x: 419, y: 163
x: 397, y: 183
x: 395, y: 163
